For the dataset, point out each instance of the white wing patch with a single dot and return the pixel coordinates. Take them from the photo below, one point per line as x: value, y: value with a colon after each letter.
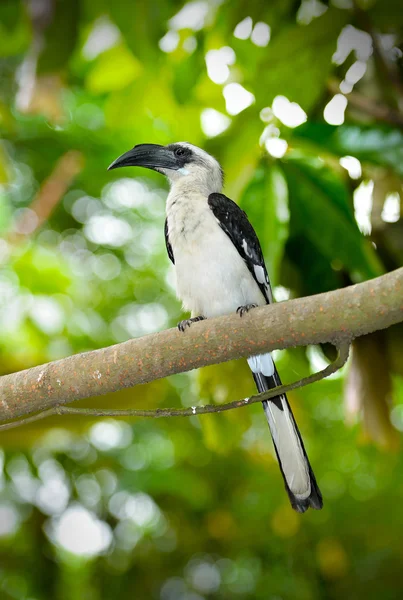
x: 262, y: 363
x: 260, y: 274
x: 246, y: 248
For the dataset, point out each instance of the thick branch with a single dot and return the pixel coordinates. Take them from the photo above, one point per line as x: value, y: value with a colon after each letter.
x: 334, y: 317
x: 185, y: 412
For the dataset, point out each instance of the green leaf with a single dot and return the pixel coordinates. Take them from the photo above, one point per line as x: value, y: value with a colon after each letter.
x: 5, y: 211
x: 379, y: 145
x: 239, y: 152
x: 388, y: 17
x: 42, y: 271
x: 113, y: 70
x: 142, y: 26
x: 321, y: 211
x: 298, y: 60
x: 60, y: 37
x: 15, y: 30
x: 187, y: 73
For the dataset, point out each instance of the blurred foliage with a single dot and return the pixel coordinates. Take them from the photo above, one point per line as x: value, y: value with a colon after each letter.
x: 195, y: 509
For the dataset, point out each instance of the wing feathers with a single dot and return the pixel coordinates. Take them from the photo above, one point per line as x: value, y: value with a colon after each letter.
x: 234, y: 222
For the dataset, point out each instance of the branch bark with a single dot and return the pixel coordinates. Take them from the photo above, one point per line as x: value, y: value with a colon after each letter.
x: 185, y: 412
x: 335, y: 317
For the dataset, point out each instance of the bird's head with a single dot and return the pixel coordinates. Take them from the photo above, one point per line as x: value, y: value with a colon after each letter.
x: 180, y: 163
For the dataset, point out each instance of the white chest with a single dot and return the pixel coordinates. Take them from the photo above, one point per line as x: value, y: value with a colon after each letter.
x: 212, y: 278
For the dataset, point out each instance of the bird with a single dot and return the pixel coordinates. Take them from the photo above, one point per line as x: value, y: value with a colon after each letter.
x: 220, y: 269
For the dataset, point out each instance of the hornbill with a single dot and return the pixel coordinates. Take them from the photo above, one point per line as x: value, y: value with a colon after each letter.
x: 220, y: 269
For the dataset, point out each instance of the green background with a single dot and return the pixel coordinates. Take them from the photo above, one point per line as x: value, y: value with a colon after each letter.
x: 194, y: 509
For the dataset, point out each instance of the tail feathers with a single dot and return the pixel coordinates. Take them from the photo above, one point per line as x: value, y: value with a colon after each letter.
x: 299, y: 478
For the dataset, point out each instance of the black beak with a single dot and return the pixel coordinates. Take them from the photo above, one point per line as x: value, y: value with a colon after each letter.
x: 151, y: 156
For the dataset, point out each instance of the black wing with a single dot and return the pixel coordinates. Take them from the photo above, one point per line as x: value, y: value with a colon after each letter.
x: 235, y: 223
x: 167, y: 243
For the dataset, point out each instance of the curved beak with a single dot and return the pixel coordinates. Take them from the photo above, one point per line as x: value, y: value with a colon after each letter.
x: 150, y: 156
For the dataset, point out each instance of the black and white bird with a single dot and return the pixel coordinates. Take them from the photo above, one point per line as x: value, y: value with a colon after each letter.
x: 220, y: 269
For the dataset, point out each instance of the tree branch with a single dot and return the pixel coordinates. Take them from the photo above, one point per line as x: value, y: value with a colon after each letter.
x: 335, y: 317
x: 193, y: 410
x: 48, y: 196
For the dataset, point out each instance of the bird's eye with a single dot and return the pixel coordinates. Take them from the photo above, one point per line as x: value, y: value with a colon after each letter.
x: 180, y: 151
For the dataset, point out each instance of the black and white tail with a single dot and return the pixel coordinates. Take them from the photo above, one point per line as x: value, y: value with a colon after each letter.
x: 299, y: 479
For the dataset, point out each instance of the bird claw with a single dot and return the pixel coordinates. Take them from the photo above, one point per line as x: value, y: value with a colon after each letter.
x: 241, y: 310
x: 187, y: 322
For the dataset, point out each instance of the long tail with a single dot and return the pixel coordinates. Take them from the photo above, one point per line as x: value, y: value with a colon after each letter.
x: 299, y: 479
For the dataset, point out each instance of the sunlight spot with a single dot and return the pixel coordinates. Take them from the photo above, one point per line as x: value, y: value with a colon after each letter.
x: 79, y: 531
x: 108, y: 230
x: 89, y: 490
x: 356, y: 71
x: 334, y: 110
x: 126, y: 193
x: 103, y: 35
x: 192, y: 16
x: 276, y: 147
x: 217, y: 62
x: 346, y: 87
x: 269, y: 131
x: 396, y: 416
x: 237, y: 98
x: 281, y: 293
x: 310, y: 10
x: 261, y: 34
x: 353, y: 75
x: 213, y: 122
x: 105, y: 266
x: 26, y: 221
x: 352, y: 39
x: 174, y: 588
x: 363, y: 206
x: 9, y: 520
x: 85, y: 207
x: 139, y: 319
x: 111, y: 434
x: 205, y: 577
x: 391, y: 208
x: 139, y: 508
x: 317, y: 360
x: 169, y: 42
x: 47, y: 314
x: 266, y: 114
x: 352, y: 165
x: 243, y: 30
x: 53, y: 495
x: 387, y: 41
x: 289, y: 113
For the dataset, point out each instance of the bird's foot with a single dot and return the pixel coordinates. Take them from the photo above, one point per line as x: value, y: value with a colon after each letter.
x: 241, y: 310
x: 187, y: 322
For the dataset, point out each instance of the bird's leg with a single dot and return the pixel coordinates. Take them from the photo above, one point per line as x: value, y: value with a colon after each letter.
x: 241, y: 310
x: 187, y: 322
